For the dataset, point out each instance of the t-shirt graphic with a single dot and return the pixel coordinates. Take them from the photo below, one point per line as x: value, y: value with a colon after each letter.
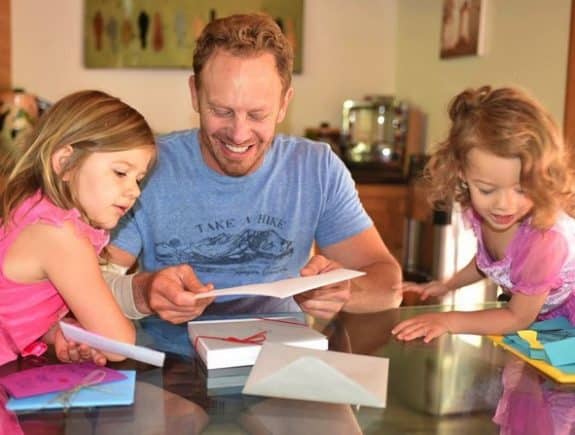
x: 250, y: 251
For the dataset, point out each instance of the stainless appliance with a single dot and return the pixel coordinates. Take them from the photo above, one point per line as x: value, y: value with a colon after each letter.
x: 374, y: 130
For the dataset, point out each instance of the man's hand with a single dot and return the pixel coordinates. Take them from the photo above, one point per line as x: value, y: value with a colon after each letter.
x: 170, y: 293
x: 69, y: 351
x: 323, y: 302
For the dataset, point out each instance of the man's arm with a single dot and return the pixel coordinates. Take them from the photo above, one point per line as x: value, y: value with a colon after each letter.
x: 133, y: 303
x: 366, y: 251
x: 169, y: 292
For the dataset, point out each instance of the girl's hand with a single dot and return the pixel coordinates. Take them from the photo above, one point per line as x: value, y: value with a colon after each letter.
x: 428, y: 326
x: 69, y: 351
x: 433, y: 288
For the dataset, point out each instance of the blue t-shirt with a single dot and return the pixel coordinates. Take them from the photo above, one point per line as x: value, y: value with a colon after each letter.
x: 239, y: 230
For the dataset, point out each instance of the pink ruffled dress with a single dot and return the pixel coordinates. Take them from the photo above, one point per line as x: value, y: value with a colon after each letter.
x: 28, y: 310
x: 531, y: 405
x: 535, y: 261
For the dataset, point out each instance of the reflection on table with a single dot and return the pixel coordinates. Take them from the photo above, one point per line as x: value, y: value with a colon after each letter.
x: 457, y: 384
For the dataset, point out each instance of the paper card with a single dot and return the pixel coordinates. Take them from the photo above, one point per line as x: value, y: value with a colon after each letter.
x: 139, y: 353
x: 110, y: 394
x: 517, y: 343
x: 556, y: 323
x: 53, y: 378
x: 561, y: 352
x: 287, y: 287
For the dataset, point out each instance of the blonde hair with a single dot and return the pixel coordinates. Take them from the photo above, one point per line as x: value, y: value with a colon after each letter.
x: 245, y: 36
x: 507, y: 123
x: 88, y: 121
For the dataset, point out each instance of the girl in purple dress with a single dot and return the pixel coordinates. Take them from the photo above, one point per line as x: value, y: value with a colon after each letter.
x: 504, y: 163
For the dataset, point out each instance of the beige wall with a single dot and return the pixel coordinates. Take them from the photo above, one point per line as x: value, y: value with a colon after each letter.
x: 526, y: 45
x: 351, y: 48
x: 349, y: 51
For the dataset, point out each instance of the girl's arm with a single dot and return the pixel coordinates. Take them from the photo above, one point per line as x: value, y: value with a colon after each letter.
x: 518, y: 314
x: 70, y: 262
x: 468, y: 275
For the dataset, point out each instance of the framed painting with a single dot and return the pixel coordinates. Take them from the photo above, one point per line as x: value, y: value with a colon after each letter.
x: 462, y: 28
x: 152, y: 34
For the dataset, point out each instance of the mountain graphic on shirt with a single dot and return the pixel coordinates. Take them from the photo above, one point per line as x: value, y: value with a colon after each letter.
x: 225, y: 248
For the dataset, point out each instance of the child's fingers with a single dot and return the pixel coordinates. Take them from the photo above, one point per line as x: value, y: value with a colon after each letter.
x: 98, y: 358
x: 409, y: 330
x: 432, y: 334
x: 63, y: 356
x: 427, y: 292
x: 73, y: 352
x: 408, y: 287
x: 85, y: 352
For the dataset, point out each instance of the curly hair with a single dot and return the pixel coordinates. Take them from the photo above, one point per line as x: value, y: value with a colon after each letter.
x: 508, y: 123
x: 245, y: 36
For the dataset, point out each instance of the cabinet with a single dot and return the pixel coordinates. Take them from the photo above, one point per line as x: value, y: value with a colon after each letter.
x: 387, y: 206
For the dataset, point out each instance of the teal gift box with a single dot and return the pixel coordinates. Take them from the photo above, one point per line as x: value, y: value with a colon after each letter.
x: 108, y: 394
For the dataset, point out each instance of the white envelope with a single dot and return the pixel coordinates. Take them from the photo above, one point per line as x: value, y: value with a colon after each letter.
x: 322, y: 376
x: 286, y: 287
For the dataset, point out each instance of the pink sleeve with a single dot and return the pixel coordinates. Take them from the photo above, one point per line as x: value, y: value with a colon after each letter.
x: 537, y: 262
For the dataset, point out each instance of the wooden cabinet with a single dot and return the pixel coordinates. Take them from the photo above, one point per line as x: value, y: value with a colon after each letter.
x: 387, y: 206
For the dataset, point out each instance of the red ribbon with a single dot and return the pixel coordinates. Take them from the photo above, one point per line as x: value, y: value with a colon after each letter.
x: 257, y: 338
x: 273, y: 319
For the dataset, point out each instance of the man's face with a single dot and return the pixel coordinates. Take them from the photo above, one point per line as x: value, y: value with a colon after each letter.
x: 240, y: 102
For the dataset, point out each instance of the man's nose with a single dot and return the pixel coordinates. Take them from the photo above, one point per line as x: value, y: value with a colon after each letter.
x: 240, y: 130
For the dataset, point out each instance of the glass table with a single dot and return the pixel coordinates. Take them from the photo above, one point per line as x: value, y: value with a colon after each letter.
x: 454, y: 385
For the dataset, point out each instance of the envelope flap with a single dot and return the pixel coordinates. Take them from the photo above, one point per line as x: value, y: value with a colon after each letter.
x: 284, y: 371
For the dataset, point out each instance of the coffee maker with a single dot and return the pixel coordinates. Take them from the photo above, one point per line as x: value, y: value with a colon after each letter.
x: 374, y: 132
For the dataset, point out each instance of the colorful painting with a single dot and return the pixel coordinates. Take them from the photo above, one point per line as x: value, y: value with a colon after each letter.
x: 150, y: 33
x: 462, y: 28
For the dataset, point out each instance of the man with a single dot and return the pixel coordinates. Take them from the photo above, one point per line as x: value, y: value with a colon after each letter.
x: 233, y: 203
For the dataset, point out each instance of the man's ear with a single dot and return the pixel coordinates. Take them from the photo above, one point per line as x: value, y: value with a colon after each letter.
x: 286, y: 98
x: 194, y: 92
x: 60, y: 158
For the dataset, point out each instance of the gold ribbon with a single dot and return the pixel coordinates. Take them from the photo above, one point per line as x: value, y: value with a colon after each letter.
x: 88, y: 381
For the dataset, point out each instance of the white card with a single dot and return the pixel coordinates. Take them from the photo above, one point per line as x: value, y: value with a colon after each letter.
x: 287, y: 287
x: 139, y: 353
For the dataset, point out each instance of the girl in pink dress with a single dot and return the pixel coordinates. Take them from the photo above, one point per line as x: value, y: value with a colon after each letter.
x: 504, y: 163
x: 78, y: 171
